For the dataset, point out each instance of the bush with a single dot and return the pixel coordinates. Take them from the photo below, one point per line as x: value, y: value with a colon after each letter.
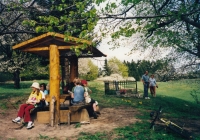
x: 5, y: 77
x: 28, y: 77
x: 35, y: 72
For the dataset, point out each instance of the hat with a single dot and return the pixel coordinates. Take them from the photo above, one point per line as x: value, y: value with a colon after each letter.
x: 36, y: 85
x: 83, y: 81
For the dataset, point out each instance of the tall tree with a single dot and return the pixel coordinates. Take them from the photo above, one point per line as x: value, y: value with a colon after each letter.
x: 116, y: 66
x: 132, y: 70
x: 87, y: 69
x: 12, y: 32
x: 71, y: 17
x: 106, y: 70
x: 155, y: 23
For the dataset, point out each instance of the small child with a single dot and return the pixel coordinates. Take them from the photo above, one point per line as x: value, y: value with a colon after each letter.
x: 88, y: 99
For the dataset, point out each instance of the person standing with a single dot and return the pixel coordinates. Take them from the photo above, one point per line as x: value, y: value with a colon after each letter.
x: 145, y: 81
x: 152, y: 85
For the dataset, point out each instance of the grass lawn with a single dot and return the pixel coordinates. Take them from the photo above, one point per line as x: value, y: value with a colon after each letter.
x: 173, y: 96
x: 178, y: 89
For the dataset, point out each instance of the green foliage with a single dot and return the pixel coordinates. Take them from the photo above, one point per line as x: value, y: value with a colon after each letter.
x: 106, y: 70
x: 154, y: 24
x: 35, y: 71
x: 96, y: 136
x: 42, y: 137
x: 196, y: 95
x: 3, y: 105
x: 77, y: 125
x: 5, y: 77
x: 76, y: 18
x: 92, y: 73
x: 137, y: 69
x: 116, y: 66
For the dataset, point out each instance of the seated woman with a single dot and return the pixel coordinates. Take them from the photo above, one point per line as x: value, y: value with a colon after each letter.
x: 44, y: 93
x: 32, y: 102
x: 77, y: 93
x: 43, y: 88
x: 88, y: 99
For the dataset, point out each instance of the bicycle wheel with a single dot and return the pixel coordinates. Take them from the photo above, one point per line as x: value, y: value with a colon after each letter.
x: 156, y: 117
x: 184, y: 133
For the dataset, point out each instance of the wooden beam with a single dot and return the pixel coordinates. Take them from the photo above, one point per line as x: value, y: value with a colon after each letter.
x: 68, y: 47
x: 64, y: 47
x: 73, y: 68
x: 70, y: 38
x: 36, y: 49
x: 30, y: 41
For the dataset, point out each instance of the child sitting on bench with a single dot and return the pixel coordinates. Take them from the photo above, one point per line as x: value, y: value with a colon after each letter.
x: 32, y: 102
x: 88, y: 99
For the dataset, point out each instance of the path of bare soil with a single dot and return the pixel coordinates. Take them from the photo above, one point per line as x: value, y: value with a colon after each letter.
x: 109, y: 119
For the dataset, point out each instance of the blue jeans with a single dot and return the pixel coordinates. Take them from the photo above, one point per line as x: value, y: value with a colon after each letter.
x: 146, y: 87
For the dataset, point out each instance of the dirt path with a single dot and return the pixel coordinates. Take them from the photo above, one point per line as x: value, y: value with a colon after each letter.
x: 109, y: 119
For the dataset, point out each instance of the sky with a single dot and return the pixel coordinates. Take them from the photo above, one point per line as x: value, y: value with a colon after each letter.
x: 120, y: 53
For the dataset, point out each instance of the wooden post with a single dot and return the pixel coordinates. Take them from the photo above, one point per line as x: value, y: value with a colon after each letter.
x: 67, y: 71
x: 73, y: 68
x: 63, y: 72
x: 52, y: 111
x: 54, y: 58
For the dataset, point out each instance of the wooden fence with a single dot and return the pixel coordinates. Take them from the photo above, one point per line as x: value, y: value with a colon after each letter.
x: 121, y: 87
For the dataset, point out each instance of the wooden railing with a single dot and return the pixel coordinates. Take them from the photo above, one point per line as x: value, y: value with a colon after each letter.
x: 112, y: 87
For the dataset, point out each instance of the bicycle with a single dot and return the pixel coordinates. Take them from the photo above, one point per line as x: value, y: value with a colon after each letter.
x: 169, y: 124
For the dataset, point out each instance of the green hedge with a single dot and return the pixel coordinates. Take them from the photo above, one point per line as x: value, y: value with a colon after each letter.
x: 5, y: 77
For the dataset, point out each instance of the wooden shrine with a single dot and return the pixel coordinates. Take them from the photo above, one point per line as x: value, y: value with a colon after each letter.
x: 52, y: 46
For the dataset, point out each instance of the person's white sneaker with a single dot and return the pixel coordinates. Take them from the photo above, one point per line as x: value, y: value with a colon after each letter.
x: 146, y: 98
x: 30, y: 125
x: 16, y: 120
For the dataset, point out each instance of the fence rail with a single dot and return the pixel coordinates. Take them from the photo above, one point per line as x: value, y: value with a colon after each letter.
x: 112, y: 87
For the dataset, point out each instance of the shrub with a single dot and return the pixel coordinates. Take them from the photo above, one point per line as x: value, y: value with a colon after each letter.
x: 5, y: 77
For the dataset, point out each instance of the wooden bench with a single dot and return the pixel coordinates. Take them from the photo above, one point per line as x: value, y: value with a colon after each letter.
x: 43, y: 113
x: 80, y: 113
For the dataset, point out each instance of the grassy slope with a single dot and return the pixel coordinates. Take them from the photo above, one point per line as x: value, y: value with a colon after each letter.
x: 174, y: 97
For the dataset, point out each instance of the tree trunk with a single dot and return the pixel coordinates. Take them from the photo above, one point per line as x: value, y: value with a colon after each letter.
x: 16, y: 79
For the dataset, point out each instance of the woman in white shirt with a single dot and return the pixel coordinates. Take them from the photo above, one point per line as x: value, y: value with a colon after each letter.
x: 153, y: 85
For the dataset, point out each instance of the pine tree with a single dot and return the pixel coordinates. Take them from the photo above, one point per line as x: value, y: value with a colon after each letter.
x: 106, y: 69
